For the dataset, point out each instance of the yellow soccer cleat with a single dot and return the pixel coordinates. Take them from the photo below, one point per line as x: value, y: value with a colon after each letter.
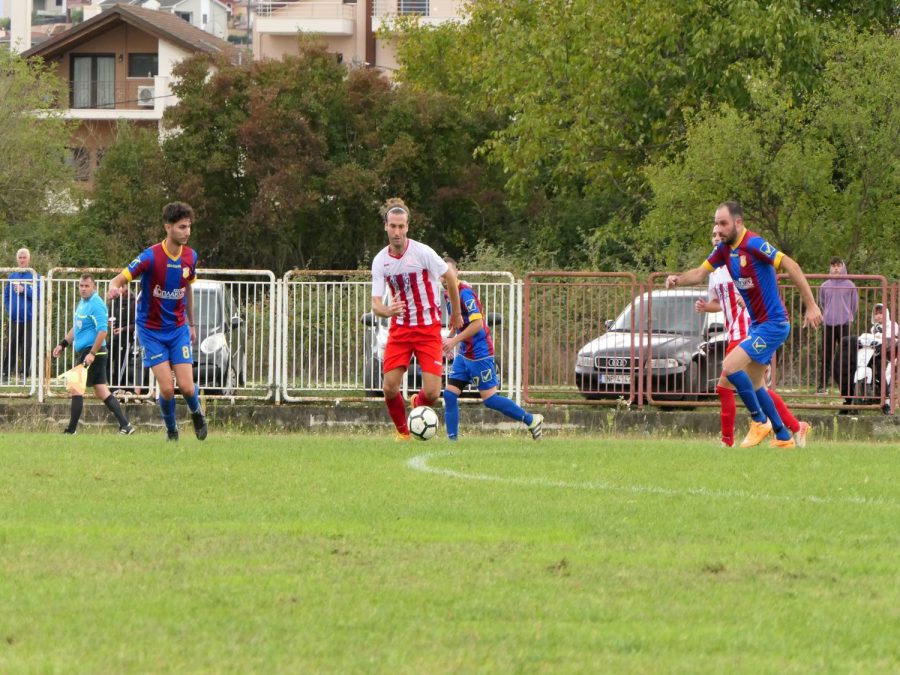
x: 789, y: 443
x: 800, y: 436
x: 758, y: 432
x: 413, y: 401
x: 401, y: 438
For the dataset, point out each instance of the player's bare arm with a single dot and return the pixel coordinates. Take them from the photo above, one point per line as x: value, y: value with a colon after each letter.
x: 451, y: 282
x: 704, y: 305
x: 690, y: 278
x: 386, y: 311
x: 189, y: 311
x: 116, y: 285
x: 469, y: 331
x: 813, y: 313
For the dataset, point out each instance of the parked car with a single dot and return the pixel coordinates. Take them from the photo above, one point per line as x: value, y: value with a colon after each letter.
x: 659, y: 332
x: 375, y: 340
x: 220, y: 362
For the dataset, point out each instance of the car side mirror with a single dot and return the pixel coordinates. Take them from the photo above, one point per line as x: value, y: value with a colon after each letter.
x: 714, y: 328
x: 494, y: 319
x: 236, y: 322
x: 609, y: 323
x: 369, y: 319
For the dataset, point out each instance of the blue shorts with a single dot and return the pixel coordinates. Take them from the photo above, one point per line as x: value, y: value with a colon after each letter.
x: 172, y: 345
x: 481, y: 372
x: 763, y: 339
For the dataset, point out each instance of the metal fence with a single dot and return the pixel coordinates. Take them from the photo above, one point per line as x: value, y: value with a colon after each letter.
x: 234, y: 350
x: 560, y: 337
x: 333, y: 346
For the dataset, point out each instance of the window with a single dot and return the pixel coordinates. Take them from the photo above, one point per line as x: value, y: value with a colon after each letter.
x: 187, y: 16
x: 93, y: 81
x: 419, y: 7
x: 143, y: 65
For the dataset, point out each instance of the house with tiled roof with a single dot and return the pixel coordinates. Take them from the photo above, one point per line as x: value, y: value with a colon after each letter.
x: 118, y: 65
x: 208, y: 15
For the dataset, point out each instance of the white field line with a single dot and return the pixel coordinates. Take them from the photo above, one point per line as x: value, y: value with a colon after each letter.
x: 421, y: 463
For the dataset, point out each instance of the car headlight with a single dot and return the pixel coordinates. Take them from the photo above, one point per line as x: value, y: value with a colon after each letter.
x: 585, y: 361
x: 663, y: 363
x: 214, y: 343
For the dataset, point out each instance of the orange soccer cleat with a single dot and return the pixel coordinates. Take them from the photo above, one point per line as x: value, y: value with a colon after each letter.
x: 802, y: 433
x: 789, y: 443
x: 758, y: 431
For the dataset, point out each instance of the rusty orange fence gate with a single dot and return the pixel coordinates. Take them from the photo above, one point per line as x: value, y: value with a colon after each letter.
x: 611, y: 339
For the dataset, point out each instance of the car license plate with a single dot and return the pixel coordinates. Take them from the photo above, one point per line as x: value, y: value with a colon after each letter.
x: 606, y: 378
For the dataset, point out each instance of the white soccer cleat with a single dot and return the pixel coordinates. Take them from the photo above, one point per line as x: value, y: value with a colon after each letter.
x: 536, y: 427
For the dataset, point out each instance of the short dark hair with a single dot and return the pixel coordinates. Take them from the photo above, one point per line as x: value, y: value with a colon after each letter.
x: 86, y: 275
x: 734, y: 209
x: 448, y: 259
x: 176, y: 211
x: 836, y: 261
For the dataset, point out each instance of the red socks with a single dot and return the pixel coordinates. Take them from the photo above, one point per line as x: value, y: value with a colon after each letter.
x: 422, y: 399
x: 789, y: 420
x: 726, y: 396
x: 397, y: 409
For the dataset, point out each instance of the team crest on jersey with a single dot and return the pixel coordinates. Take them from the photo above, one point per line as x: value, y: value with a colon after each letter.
x: 185, y: 272
x: 134, y: 263
x: 743, y: 261
x: 759, y: 345
x: 767, y: 249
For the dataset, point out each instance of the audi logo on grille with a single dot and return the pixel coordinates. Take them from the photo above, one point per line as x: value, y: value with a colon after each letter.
x: 612, y: 363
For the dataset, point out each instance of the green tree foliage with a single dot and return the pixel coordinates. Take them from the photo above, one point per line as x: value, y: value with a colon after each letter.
x: 130, y: 189
x: 820, y: 179
x: 32, y: 149
x: 287, y: 162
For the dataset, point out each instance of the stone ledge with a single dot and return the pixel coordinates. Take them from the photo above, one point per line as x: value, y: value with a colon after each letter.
x: 363, y: 417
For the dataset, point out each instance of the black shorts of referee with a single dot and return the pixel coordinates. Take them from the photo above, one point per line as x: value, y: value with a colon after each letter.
x: 96, y: 372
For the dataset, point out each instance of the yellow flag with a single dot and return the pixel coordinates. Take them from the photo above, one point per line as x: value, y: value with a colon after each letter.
x: 76, y: 380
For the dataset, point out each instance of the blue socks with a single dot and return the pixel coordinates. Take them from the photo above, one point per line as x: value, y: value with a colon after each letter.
x: 193, y: 401
x: 508, y: 407
x: 744, y: 387
x: 451, y: 414
x: 167, y: 408
x: 782, y: 433
x: 496, y: 402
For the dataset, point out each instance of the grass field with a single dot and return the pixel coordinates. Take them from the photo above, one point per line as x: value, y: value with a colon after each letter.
x: 358, y: 554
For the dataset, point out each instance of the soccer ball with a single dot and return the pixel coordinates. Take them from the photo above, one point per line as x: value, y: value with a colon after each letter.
x: 423, y: 422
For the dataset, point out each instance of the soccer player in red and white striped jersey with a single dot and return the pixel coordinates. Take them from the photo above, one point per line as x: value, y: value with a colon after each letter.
x: 412, y: 272
x: 724, y: 297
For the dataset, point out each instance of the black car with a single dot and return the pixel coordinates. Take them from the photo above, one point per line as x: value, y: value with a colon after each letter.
x: 219, y: 355
x: 659, y: 334
x: 375, y: 340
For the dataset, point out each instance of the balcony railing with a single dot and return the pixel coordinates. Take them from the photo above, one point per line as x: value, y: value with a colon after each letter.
x: 402, y: 8
x: 305, y: 10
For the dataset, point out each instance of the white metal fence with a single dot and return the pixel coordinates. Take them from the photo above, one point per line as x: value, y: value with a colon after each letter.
x: 332, y: 345
x: 20, y: 331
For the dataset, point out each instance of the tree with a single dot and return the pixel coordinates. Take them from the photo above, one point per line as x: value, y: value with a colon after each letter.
x: 130, y: 189
x: 32, y: 147
x: 820, y: 179
x: 299, y: 153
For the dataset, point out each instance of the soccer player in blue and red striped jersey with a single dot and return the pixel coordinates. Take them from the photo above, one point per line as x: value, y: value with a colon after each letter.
x: 474, y: 363
x: 165, y: 315
x: 752, y: 263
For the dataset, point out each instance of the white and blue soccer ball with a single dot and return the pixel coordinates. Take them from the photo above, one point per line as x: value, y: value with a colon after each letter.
x: 423, y: 422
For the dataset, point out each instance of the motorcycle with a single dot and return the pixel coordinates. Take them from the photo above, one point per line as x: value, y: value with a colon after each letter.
x: 867, y: 378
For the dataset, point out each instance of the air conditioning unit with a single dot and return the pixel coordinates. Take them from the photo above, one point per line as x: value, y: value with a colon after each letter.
x: 146, y: 97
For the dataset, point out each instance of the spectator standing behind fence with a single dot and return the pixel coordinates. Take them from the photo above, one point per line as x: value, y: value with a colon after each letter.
x: 724, y: 297
x: 475, y: 364
x: 839, y: 300
x: 121, y: 322
x: 413, y: 272
x: 752, y: 263
x: 19, y: 297
x: 88, y: 336
x: 165, y: 315
x: 889, y: 332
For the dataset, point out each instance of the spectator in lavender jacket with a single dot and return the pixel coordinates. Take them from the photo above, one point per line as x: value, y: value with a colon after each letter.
x: 839, y: 300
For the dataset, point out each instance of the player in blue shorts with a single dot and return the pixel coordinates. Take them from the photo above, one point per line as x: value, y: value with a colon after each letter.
x: 752, y: 263
x: 475, y: 364
x: 165, y: 315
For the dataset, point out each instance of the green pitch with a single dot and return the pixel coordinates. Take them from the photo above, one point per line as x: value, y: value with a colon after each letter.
x: 358, y: 554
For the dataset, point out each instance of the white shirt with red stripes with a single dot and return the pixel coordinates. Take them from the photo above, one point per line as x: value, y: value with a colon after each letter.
x: 413, y: 278
x: 721, y: 288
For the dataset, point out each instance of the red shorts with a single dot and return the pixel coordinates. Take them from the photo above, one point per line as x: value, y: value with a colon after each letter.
x: 423, y: 341
x: 731, y: 345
